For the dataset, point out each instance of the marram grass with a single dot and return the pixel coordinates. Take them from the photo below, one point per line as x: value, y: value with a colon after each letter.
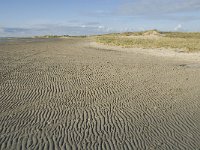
x: 189, y: 42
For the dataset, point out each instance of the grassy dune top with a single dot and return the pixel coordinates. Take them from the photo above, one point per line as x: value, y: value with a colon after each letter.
x: 58, y: 36
x: 187, y: 42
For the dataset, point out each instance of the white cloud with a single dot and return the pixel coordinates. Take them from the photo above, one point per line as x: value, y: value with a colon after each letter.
x: 148, y: 7
x: 178, y: 27
x: 83, y: 26
x: 101, y: 27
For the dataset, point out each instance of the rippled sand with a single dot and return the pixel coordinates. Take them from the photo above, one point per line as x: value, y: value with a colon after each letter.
x: 64, y: 94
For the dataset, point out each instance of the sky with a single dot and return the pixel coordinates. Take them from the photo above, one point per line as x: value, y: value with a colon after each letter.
x: 19, y: 18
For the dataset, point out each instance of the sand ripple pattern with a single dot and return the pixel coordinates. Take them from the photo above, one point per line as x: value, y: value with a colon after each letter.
x: 63, y: 94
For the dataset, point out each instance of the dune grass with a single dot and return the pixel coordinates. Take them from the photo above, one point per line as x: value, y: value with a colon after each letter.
x: 188, y: 42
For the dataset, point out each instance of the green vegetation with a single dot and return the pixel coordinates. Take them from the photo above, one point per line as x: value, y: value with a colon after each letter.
x: 59, y: 36
x: 52, y: 36
x: 189, y: 42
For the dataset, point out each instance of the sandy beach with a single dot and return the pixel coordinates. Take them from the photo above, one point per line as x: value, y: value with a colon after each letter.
x: 74, y: 94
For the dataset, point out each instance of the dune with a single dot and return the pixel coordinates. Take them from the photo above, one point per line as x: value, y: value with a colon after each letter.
x: 67, y: 94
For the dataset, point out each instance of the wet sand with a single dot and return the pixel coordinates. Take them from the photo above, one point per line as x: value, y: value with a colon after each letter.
x: 66, y: 94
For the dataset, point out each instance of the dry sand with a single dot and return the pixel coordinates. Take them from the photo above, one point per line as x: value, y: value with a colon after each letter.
x: 67, y: 94
x: 177, y: 54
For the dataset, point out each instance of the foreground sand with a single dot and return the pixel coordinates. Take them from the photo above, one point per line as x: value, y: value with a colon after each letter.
x: 65, y: 94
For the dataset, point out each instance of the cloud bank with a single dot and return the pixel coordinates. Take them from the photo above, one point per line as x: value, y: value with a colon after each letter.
x: 90, y: 28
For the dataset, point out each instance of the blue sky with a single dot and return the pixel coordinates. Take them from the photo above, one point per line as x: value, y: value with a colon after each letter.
x: 80, y: 17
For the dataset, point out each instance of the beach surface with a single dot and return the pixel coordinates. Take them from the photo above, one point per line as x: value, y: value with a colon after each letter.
x: 74, y: 94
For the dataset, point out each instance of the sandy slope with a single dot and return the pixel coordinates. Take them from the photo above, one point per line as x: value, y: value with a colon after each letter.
x: 161, y: 52
x: 64, y: 94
